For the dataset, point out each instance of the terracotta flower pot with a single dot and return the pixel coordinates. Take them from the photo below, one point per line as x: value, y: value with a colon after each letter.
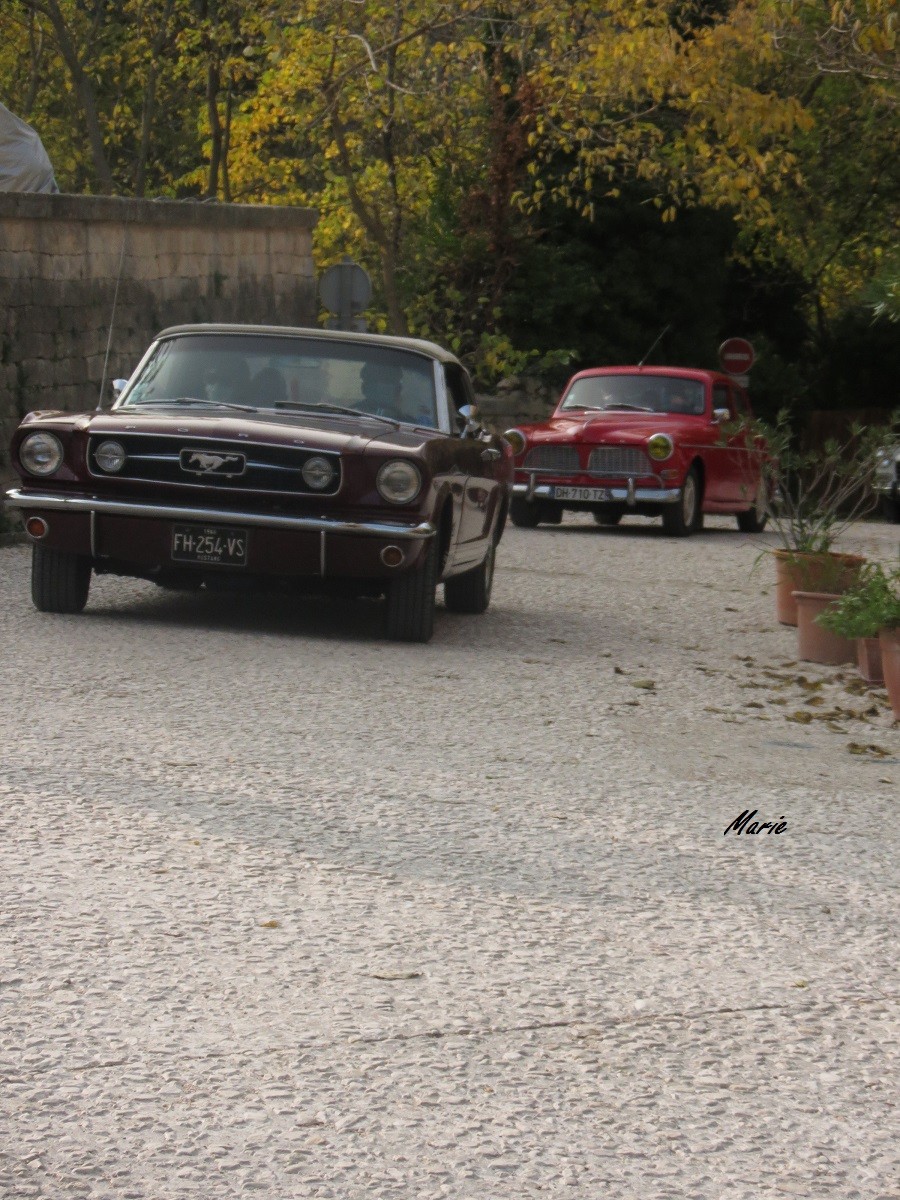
x: 815, y: 644
x: 890, y: 660
x: 868, y: 655
x: 795, y: 572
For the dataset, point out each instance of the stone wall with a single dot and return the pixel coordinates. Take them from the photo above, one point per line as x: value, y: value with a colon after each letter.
x: 517, y: 401
x: 60, y: 259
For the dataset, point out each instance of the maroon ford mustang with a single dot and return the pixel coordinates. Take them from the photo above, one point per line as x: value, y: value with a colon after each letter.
x: 299, y: 457
x: 656, y: 441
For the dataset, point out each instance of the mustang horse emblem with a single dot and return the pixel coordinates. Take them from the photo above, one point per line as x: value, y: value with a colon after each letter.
x: 201, y: 462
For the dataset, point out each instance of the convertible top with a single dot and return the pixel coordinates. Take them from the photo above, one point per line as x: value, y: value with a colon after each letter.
x: 24, y: 163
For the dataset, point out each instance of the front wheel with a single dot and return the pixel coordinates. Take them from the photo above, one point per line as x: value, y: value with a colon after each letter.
x: 60, y: 581
x: 409, y: 615
x: 683, y: 517
x: 754, y: 519
x: 471, y: 592
x: 607, y: 516
x: 890, y: 509
x: 524, y: 514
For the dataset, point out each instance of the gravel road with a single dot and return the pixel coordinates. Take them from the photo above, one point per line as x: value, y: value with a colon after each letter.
x: 289, y: 911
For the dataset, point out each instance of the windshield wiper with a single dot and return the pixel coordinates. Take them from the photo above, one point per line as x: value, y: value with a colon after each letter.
x: 191, y: 400
x: 335, y: 408
x: 628, y: 407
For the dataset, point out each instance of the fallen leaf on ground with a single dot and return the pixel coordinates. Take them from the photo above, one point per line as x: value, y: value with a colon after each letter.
x: 868, y: 748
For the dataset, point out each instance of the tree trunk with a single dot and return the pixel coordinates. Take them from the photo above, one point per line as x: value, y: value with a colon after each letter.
x: 85, y: 93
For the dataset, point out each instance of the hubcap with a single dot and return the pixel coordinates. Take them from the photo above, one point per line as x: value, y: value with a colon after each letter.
x: 489, y: 568
x: 689, y: 501
x: 761, y: 502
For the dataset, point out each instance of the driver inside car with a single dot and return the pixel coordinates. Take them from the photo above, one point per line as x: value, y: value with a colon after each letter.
x: 381, y: 390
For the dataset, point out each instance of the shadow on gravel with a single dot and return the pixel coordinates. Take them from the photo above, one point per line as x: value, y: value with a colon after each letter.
x: 320, y: 618
x: 649, y: 531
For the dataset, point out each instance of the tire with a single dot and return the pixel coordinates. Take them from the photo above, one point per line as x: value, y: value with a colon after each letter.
x: 890, y: 510
x: 524, y: 514
x: 471, y: 592
x: 60, y: 581
x: 681, y: 519
x: 755, y: 518
x: 409, y: 612
x: 607, y: 516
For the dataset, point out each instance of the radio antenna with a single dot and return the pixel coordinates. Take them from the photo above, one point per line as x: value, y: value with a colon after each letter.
x: 112, y: 316
x: 655, y: 344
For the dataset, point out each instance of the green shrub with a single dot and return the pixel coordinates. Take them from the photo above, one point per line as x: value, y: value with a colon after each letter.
x: 873, y: 603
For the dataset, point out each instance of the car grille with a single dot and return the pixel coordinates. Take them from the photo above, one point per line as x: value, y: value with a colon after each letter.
x: 244, y: 466
x: 562, y: 460
x: 619, y: 460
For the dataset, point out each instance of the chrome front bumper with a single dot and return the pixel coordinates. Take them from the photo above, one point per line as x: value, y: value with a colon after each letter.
x: 17, y: 498
x: 628, y: 496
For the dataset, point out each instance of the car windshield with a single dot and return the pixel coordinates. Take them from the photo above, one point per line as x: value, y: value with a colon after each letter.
x: 271, y: 372
x: 640, y: 393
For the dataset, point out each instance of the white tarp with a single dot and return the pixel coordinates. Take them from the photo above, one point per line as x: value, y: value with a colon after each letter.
x: 24, y: 165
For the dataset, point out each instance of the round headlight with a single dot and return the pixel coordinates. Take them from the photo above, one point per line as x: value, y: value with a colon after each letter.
x: 317, y: 473
x: 660, y: 447
x: 399, y: 482
x: 41, y: 453
x: 517, y: 440
x: 110, y: 456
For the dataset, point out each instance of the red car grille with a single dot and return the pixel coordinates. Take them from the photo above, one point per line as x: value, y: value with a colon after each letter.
x: 561, y: 460
x: 619, y: 460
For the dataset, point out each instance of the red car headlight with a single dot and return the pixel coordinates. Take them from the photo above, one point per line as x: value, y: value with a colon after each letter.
x: 660, y: 447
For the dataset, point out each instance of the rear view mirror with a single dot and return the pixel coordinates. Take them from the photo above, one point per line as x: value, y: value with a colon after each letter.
x: 469, y: 414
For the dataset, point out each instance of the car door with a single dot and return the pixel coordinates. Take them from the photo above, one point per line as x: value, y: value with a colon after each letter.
x: 746, y: 460
x: 477, y: 474
x: 717, y: 456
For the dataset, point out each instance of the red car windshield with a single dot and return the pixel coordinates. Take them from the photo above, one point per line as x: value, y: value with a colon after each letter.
x: 637, y: 393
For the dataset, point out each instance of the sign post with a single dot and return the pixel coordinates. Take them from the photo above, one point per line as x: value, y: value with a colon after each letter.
x: 345, y: 289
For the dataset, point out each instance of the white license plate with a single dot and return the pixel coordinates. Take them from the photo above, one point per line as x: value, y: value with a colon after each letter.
x: 591, y: 495
x: 212, y: 544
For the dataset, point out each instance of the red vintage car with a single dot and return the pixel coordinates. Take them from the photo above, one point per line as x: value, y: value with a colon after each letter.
x: 670, y: 442
x: 241, y: 456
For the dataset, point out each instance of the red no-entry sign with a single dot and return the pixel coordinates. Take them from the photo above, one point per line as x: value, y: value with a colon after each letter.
x: 736, y: 356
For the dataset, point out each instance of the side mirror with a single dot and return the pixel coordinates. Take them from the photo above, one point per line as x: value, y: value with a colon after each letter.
x: 119, y: 385
x: 469, y: 414
x: 721, y: 415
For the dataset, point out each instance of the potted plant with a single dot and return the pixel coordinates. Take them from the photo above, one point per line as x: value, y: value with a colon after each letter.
x: 813, y: 496
x: 859, y: 615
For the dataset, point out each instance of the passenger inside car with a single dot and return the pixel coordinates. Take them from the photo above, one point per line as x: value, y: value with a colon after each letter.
x: 268, y: 386
x: 381, y: 387
x: 229, y: 381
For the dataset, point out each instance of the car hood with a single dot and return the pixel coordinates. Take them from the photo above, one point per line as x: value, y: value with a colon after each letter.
x: 598, y: 428
x: 340, y: 434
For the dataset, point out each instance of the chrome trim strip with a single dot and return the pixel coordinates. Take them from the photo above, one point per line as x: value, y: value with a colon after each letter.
x: 205, y: 437
x: 174, y: 458
x: 322, y: 553
x: 16, y: 498
x: 307, y: 451
x: 653, y: 495
x: 94, y: 535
